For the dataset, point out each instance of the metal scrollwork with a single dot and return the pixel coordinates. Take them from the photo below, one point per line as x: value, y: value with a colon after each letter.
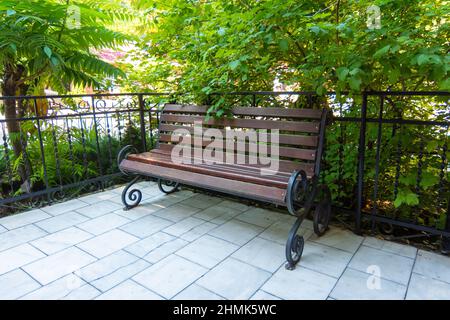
x: 123, y: 153
x: 322, y: 212
x: 172, y: 186
x: 133, y: 195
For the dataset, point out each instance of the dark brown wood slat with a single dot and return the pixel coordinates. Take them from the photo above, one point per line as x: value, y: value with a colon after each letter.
x: 250, y: 111
x: 285, y: 166
x: 227, y: 173
x: 295, y: 140
x: 295, y: 126
x: 234, y: 187
x: 287, y: 152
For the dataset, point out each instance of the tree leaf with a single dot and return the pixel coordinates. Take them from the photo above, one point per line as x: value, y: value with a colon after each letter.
x: 48, y: 51
x: 381, y: 52
x: 284, y: 45
x: 234, y: 64
x: 342, y: 73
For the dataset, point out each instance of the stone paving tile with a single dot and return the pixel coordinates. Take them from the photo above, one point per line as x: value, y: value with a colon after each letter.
x: 3, y: 229
x: 129, y: 290
x: 18, y: 256
x: 236, y: 232
x: 198, y: 231
x: 170, y: 276
x: 260, y: 217
x: 19, y: 236
x: 339, y: 238
x: 392, y: 247
x: 19, y: 220
x: 207, y: 251
x: 233, y: 279
x: 356, y: 285
x: 391, y: 266
x: 299, y: 284
x: 98, y: 197
x: 165, y: 250
x: 262, y: 295
x: 425, y: 288
x: 262, y: 253
x: 106, y: 266
x: 120, y: 275
x: 201, y: 201
x: 324, y: 259
x: 176, y: 212
x: 107, y: 243
x: 63, y: 221
x: 68, y: 287
x: 234, y: 205
x: 15, y: 284
x: 217, y: 214
x: 63, y: 207
x: 53, y: 267
x: 146, y: 226
x: 102, y: 224
x: 98, y: 209
x: 61, y: 240
x: 432, y: 265
x: 140, y: 211
x: 195, y: 292
x: 279, y: 231
x: 146, y: 245
x: 183, y: 226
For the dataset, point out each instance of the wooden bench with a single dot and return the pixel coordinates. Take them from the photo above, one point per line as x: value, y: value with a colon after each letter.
x: 294, y: 184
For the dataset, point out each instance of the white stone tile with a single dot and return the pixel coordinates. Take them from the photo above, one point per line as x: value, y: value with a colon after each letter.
x: 339, y: 238
x: 236, y: 232
x: 217, y: 214
x: 63, y: 221
x: 3, y: 229
x: 198, y: 231
x: 15, y: 284
x: 58, y: 265
x: 233, y: 279
x: 207, y: 251
x: 164, y: 250
x: 170, y: 276
x: 356, y: 285
x: 432, y: 265
x: 201, y: 201
x: 98, y: 197
x: 235, y: 205
x: 262, y: 295
x: 176, y: 212
x: 138, y: 212
x: 324, y: 259
x: 98, y: 209
x: 106, y: 266
x: 162, y: 201
x: 122, y: 274
x: 391, y: 266
x: 183, y: 226
x: 85, y: 292
x: 107, y: 243
x: 61, y: 240
x: 129, y: 290
x: 299, y: 284
x: 104, y: 223
x: 63, y: 288
x: 262, y: 253
x: 260, y: 217
x: 425, y: 288
x: 392, y: 247
x: 195, y: 292
x: 146, y: 226
x: 279, y: 231
x: 18, y: 256
x: 19, y: 236
x: 144, y: 246
x: 63, y: 207
x: 22, y: 219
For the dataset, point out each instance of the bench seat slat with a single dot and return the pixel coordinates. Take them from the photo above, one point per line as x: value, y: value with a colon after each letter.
x: 230, y: 186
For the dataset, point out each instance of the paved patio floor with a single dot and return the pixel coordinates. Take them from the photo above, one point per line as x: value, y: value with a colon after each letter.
x: 193, y: 246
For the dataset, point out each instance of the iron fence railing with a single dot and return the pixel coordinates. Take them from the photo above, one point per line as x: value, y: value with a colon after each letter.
x: 386, y: 155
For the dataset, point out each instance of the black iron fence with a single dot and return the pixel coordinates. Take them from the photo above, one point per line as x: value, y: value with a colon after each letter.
x: 386, y: 155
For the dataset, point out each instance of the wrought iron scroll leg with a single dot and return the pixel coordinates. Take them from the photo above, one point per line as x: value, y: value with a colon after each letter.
x: 134, y: 195
x: 294, y: 245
